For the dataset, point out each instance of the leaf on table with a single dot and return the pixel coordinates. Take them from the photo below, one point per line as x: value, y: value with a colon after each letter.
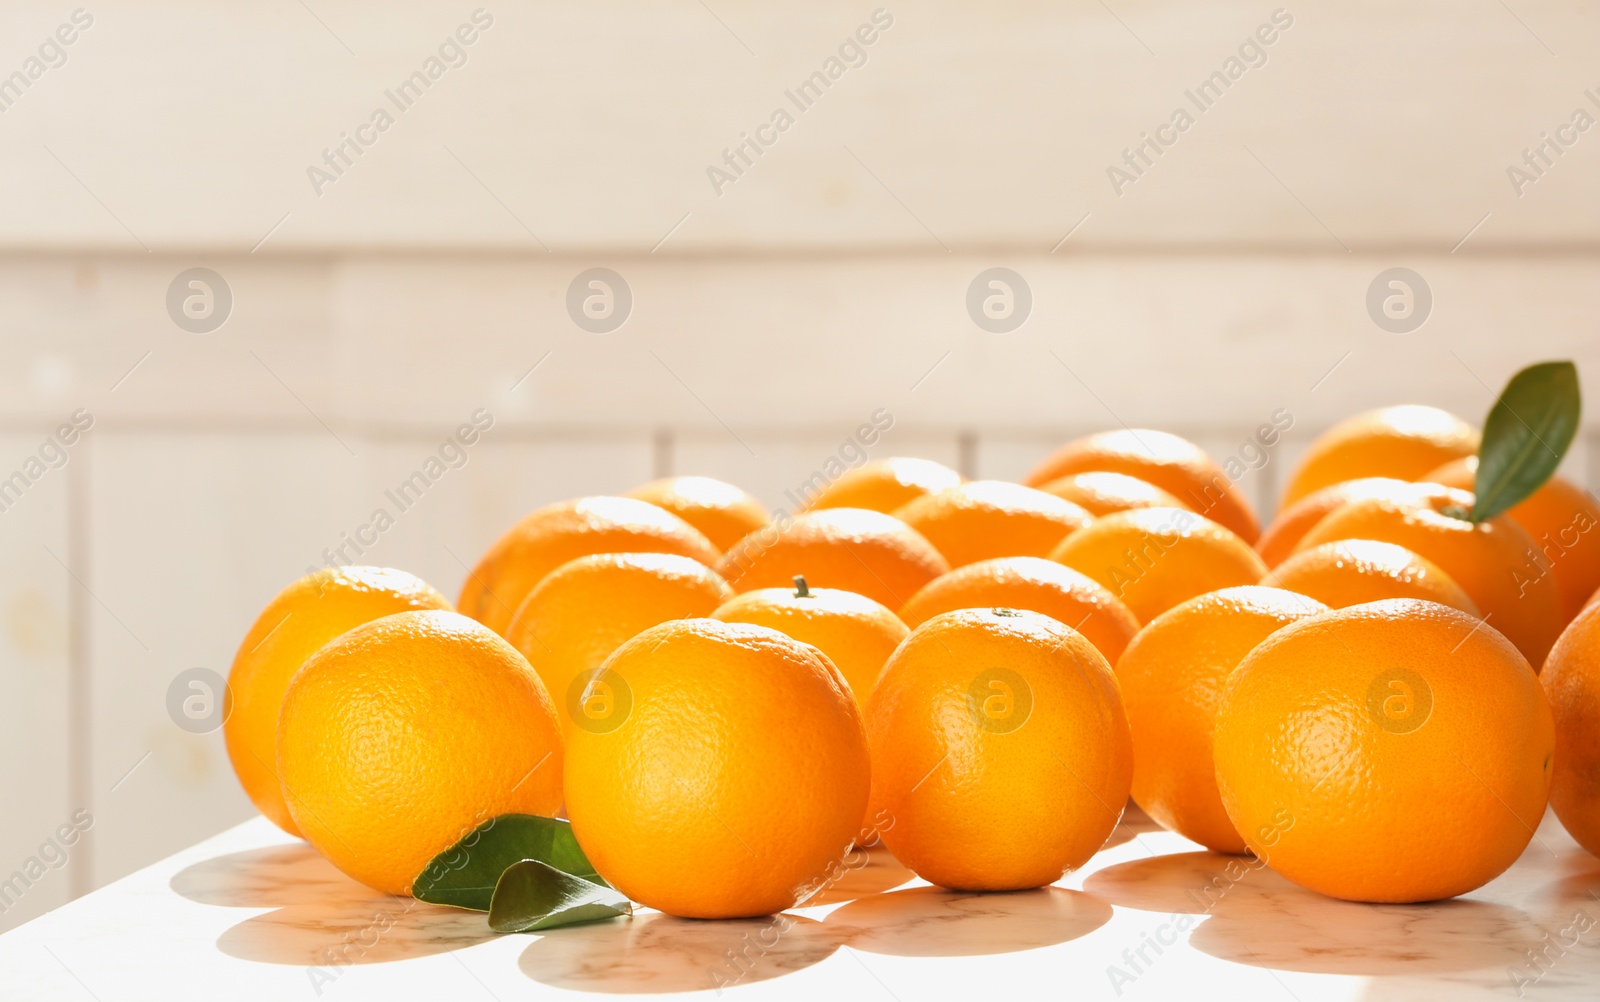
x: 1526, y: 434
x: 533, y: 895
x: 465, y: 874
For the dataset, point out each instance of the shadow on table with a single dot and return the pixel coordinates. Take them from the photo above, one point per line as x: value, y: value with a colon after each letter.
x: 933, y: 922
x: 655, y: 953
x: 270, y: 877
x: 1237, y: 909
x: 321, y: 918
x: 1565, y: 913
x: 882, y: 873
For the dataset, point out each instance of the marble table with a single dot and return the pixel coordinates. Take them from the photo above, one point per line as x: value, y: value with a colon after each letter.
x: 253, y: 914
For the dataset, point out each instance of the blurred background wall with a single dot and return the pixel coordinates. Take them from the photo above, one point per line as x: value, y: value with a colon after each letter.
x: 385, y: 291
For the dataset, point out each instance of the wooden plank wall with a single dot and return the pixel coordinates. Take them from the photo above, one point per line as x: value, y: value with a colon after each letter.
x: 829, y: 280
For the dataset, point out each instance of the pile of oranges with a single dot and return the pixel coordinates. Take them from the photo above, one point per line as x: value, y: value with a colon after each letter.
x: 977, y: 673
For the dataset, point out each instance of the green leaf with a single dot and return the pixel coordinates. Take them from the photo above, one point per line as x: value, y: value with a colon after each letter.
x: 534, y: 895
x: 465, y: 874
x: 1526, y: 434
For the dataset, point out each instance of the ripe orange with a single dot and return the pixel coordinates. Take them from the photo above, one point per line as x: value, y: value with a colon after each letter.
x: 1572, y: 681
x: 1035, y: 585
x: 856, y: 633
x: 1172, y: 677
x: 734, y: 772
x: 556, y: 533
x: 1402, y: 442
x: 586, y: 608
x: 402, y: 735
x: 1396, y: 751
x: 300, y: 619
x: 1488, y: 560
x: 885, y: 484
x: 852, y: 549
x: 1562, y: 518
x: 723, y: 513
x: 1154, y: 558
x: 1000, y: 754
x: 1176, y: 465
x: 1100, y: 492
x: 1294, y: 521
x: 1352, y: 571
x: 990, y: 518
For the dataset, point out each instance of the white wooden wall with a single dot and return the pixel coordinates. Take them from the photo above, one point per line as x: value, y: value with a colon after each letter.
x: 828, y: 282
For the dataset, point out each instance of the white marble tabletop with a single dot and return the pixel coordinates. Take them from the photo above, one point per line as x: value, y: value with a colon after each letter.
x: 253, y: 914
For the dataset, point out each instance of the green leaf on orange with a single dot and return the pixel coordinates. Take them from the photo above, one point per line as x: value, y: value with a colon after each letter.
x: 533, y: 895
x: 465, y: 875
x: 1525, y: 436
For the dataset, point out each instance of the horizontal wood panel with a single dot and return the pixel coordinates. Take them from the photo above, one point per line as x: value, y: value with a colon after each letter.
x: 746, y: 347
x: 1367, y: 125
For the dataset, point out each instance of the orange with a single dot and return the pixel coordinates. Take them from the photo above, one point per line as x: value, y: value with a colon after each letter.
x: 402, y: 735
x: 732, y: 772
x: 1488, y: 560
x: 1172, y: 677
x: 1294, y: 521
x: 585, y: 609
x: 1562, y: 518
x: 856, y: 633
x: 1176, y: 465
x: 1000, y: 754
x: 884, y: 484
x: 723, y: 513
x: 550, y: 536
x: 300, y: 619
x: 1100, y: 492
x: 852, y: 549
x: 1035, y: 585
x: 1572, y: 682
x: 1352, y: 571
x: 990, y: 518
x: 1402, y: 442
x: 1396, y: 751
x: 1154, y: 558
